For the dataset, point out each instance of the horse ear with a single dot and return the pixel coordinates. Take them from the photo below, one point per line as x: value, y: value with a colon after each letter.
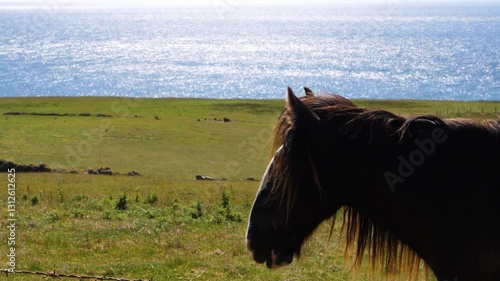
x: 302, y: 115
x: 308, y: 91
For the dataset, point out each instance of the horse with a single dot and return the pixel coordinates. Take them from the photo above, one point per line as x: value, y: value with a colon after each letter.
x: 410, y: 189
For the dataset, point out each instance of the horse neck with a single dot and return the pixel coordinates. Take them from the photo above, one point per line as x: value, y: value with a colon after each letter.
x: 401, y: 220
x: 370, y: 196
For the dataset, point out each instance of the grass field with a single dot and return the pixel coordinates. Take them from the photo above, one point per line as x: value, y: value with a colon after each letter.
x: 162, y: 225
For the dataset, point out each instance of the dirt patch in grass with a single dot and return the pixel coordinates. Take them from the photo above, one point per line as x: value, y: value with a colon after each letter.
x: 7, y: 165
x: 56, y: 114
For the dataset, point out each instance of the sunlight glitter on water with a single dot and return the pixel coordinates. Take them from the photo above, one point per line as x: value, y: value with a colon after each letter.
x: 428, y: 54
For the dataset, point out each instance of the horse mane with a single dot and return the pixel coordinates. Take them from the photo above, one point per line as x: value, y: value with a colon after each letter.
x: 386, y: 253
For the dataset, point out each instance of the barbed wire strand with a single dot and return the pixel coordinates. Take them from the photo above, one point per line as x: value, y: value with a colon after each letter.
x: 53, y: 274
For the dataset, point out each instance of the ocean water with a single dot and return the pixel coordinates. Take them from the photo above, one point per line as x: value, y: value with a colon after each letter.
x: 380, y: 51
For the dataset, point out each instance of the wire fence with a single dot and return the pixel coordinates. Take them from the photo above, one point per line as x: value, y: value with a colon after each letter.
x: 54, y: 274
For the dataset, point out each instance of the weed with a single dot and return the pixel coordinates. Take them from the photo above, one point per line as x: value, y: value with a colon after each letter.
x: 246, y: 202
x: 122, y: 203
x: 51, y: 217
x: 104, y: 204
x: 79, y: 198
x: 150, y: 214
x: 151, y: 198
x: 176, y: 204
x: 34, y: 200
x: 60, y: 196
x: 77, y: 214
x: 107, y: 215
x: 225, y: 200
x: 226, y: 211
x: 197, y: 211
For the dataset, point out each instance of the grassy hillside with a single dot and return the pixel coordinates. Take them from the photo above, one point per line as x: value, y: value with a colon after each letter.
x: 161, y: 225
x: 175, y: 144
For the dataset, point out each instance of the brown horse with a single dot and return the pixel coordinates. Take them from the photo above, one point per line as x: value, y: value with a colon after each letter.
x: 410, y: 188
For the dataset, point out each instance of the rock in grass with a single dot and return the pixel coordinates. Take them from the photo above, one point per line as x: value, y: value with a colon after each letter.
x: 203, y: 178
x: 100, y: 171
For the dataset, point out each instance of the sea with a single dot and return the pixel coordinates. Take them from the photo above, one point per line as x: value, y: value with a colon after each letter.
x: 230, y: 50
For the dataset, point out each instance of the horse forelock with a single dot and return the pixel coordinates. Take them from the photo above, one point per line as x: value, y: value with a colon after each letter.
x: 285, y: 173
x: 288, y: 166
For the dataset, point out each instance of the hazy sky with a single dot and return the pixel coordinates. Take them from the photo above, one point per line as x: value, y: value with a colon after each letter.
x: 70, y: 3
x: 137, y: 2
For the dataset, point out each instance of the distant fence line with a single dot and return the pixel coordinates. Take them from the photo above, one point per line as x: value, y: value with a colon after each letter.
x: 53, y: 274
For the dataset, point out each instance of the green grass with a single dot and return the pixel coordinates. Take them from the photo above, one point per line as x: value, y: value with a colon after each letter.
x: 176, y: 146
x: 162, y: 225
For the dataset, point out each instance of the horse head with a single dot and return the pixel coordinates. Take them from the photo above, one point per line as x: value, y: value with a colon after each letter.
x: 291, y: 201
